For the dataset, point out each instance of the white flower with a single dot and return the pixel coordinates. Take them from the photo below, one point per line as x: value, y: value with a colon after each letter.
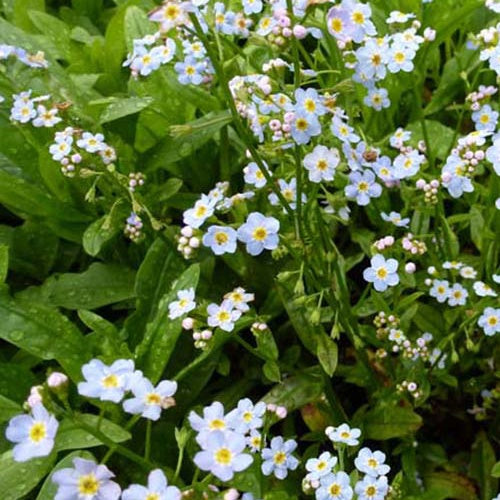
x: 321, y: 466
x: 223, y: 316
x: 371, y: 462
x: 183, y: 305
x: 490, y: 321
x: 33, y: 434
x: 440, y: 290
x: 382, y: 273
x: 457, y: 295
x: 321, y: 163
x: 343, y: 434
x: 483, y: 290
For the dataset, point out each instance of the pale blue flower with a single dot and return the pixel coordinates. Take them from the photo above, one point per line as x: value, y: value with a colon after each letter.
x: 189, y: 71
x: 321, y: 466
x: 149, y: 400
x: 377, y: 99
x: 395, y: 218
x: 220, y: 239
x: 309, y: 101
x: 382, y: 273
x: 321, y: 163
x: 489, y: 321
x: 343, y: 434
x: 278, y: 458
x: 85, y: 481
x: 371, y: 488
x: 259, y: 233
x: 304, y: 126
x: 253, y: 175
x: 289, y: 192
x: 33, y: 434
x: 362, y: 187
x: 343, y: 131
x: 485, y: 118
x: 457, y: 295
x: 335, y: 487
x: 108, y: 383
x: 184, y: 303
x: 223, y: 455
x: 247, y: 416
x: 157, y: 489
x: 371, y: 463
x: 92, y: 143
x: 201, y: 211
x: 407, y: 164
x: 213, y: 420
x: 223, y: 316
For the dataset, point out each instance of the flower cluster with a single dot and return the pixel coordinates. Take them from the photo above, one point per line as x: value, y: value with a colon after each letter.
x: 112, y: 383
x: 228, y: 441
x: 329, y: 481
x: 223, y: 315
x: 31, y: 60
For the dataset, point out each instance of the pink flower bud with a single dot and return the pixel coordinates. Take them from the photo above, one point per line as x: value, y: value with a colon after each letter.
x: 287, y: 32
x: 187, y: 231
x: 188, y: 323
x: 56, y: 379
x: 410, y: 267
x: 420, y: 184
x: 299, y: 31
x: 231, y: 494
x: 281, y: 411
x: 271, y: 407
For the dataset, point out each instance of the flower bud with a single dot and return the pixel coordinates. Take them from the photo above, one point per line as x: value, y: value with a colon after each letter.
x: 57, y: 380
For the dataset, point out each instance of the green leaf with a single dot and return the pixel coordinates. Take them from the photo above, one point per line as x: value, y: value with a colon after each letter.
x: 327, y: 353
x: 99, y: 285
x: 154, y: 351
x: 154, y: 278
x: 386, y: 422
x: 8, y: 409
x: 481, y: 464
x: 266, y: 345
x: 15, y: 381
x: 4, y: 262
x: 104, y: 229
x: 271, y: 371
x: 43, y: 332
x: 296, y: 391
x: 495, y: 471
x: 71, y: 437
x: 445, y: 485
x: 124, y: 107
x: 49, y: 489
x: 188, y: 138
x: 477, y: 226
x: 137, y: 25
x: 440, y: 136
x: 25, y: 198
x: 19, y: 478
x: 57, y: 30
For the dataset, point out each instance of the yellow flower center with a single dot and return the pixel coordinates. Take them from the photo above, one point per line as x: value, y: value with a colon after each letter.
x: 336, y: 24
x: 381, y: 273
x: 152, y: 496
x: 110, y: 381
x: 310, y: 105
x: 484, y: 119
x: 223, y: 456
x: 256, y: 442
x: 335, y: 489
x: 223, y: 316
x: 200, y: 211
x: 259, y: 234
x: 172, y: 12
x: 183, y: 303
x: 153, y: 399
x: 221, y: 238
x: 371, y: 491
x: 279, y: 458
x: 38, y: 431
x: 363, y: 186
x: 247, y: 416
x: 344, y: 435
x: 217, y: 424
x: 372, y: 463
x: 301, y: 124
x: 321, y: 465
x: 288, y: 194
x: 322, y: 165
x: 88, y: 485
x: 399, y: 57
x: 376, y: 59
x: 358, y: 17
x: 492, y: 320
x: 190, y: 70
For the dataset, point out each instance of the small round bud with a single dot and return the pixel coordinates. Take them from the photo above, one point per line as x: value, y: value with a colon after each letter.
x: 410, y: 267
x: 188, y: 323
x: 187, y: 231
x: 56, y: 380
